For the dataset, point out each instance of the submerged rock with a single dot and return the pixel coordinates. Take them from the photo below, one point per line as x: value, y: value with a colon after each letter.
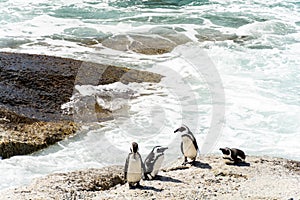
x: 32, y: 90
x: 157, y: 41
x: 207, y: 34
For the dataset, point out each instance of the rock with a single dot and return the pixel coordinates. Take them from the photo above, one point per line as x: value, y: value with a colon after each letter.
x: 28, y: 138
x: 32, y: 90
x: 79, y: 184
x: 36, y: 85
x: 293, y: 166
x: 139, y: 44
x: 82, y: 180
x: 157, y: 41
x: 207, y: 34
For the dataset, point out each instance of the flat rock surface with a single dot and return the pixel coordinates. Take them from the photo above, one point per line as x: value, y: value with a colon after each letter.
x: 72, y: 185
x: 210, y: 178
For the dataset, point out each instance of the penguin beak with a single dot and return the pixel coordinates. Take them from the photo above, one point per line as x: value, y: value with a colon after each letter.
x: 164, y: 148
x: 222, y: 149
x: 161, y: 150
x: 176, y: 130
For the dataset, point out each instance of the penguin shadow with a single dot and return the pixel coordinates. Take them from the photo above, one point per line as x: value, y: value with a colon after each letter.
x: 239, y: 164
x: 167, y: 179
x: 148, y: 188
x: 201, y: 165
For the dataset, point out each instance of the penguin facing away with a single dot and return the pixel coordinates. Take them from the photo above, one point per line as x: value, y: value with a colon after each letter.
x: 134, y: 167
x: 233, y: 154
x: 189, y: 147
x: 154, y: 161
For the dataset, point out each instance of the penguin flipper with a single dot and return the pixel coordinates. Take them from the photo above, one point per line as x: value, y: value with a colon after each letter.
x: 181, y: 147
x: 195, y: 144
x: 142, y: 163
x: 148, y: 176
x: 149, y: 162
x: 126, y: 167
x: 194, y: 141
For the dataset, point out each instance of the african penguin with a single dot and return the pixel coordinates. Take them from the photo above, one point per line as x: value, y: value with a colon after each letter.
x: 189, y: 147
x: 154, y: 161
x: 134, y: 167
x: 233, y: 154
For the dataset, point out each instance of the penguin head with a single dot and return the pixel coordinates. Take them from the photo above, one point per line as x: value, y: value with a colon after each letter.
x: 182, y: 129
x: 134, y: 147
x: 159, y: 150
x: 225, y: 151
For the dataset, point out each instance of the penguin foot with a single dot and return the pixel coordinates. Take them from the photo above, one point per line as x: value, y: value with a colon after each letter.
x: 131, y: 186
x: 150, y: 177
x: 185, y: 161
x: 193, y: 162
x: 138, y: 185
x: 146, y: 177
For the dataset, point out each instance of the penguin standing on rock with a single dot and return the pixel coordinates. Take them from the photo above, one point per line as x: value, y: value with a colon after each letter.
x: 234, y: 155
x: 154, y: 161
x: 134, y: 167
x: 189, y: 147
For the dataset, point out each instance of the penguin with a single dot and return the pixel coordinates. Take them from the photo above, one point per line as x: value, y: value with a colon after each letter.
x: 154, y: 161
x: 134, y: 167
x: 189, y: 147
x: 233, y: 154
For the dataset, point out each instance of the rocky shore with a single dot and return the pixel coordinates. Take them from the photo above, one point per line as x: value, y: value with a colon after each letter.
x: 34, y: 87
x: 260, y: 178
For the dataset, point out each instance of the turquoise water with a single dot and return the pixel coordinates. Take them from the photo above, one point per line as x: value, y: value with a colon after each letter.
x: 252, y: 46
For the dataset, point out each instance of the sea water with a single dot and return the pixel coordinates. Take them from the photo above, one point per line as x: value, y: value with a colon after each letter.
x: 236, y: 83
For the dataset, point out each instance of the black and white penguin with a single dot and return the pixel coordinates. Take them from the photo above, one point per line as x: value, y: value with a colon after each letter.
x: 233, y: 154
x: 134, y: 167
x: 154, y: 161
x: 189, y: 147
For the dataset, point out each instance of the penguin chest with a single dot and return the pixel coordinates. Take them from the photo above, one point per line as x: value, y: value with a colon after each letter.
x: 134, y: 172
x: 188, y: 147
x: 228, y: 157
x: 156, y: 165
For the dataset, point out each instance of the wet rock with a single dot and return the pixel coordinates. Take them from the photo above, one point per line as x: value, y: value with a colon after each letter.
x: 215, y: 35
x: 27, y: 138
x: 81, y: 35
x: 32, y: 90
x: 37, y: 85
x: 139, y: 44
x: 157, y: 41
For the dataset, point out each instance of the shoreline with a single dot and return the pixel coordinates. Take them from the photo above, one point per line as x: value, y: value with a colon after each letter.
x: 263, y: 177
